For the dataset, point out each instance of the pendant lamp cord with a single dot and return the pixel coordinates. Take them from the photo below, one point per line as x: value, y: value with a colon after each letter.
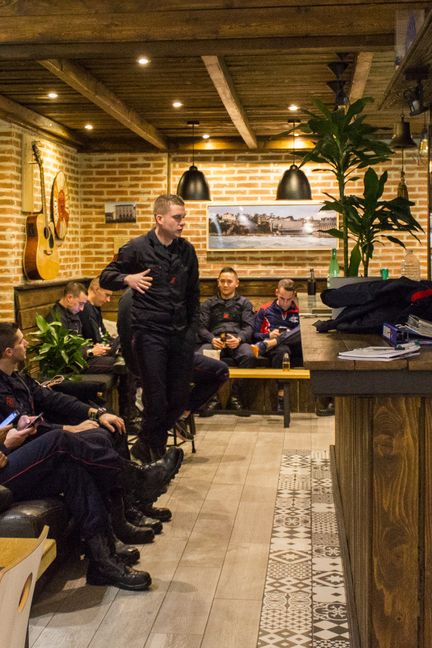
x: 193, y: 142
x: 294, y: 152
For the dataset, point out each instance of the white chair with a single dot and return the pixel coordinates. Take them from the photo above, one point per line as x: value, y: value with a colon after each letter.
x: 17, y: 583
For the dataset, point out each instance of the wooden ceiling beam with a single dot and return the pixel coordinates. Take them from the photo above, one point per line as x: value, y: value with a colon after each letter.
x: 86, y: 84
x: 78, y: 7
x: 362, y: 68
x: 222, y: 81
x: 300, y: 20
x: 211, y: 47
x: 17, y: 114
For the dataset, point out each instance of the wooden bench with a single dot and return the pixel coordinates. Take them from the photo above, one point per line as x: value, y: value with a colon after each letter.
x: 282, y: 375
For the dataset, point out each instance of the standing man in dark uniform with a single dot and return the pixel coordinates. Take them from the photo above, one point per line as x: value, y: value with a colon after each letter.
x: 162, y: 269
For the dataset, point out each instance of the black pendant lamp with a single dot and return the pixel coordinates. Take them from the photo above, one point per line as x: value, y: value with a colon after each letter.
x: 192, y: 184
x: 402, y: 139
x: 294, y: 184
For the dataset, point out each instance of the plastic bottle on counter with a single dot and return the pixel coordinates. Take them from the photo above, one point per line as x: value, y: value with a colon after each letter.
x: 311, y: 283
x: 410, y: 266
x: 333, y: 270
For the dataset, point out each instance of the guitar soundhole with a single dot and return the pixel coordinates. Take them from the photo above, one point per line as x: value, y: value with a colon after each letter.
x: 49, y: 237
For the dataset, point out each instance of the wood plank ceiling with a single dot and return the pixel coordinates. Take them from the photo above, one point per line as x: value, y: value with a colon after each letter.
x: 235, y: 65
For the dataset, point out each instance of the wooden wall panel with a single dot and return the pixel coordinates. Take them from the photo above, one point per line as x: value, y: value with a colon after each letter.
x: 353, y: 462
x: 426, y: 486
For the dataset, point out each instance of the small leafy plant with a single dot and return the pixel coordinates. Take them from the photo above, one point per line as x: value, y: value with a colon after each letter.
x: 57, y: 350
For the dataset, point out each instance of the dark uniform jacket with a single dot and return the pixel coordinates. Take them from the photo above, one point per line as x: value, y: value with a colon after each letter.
x: 92, y: 323
x: 70, y: 321
x: 271, y: 316
x: 233, y: 316
x: 20, y: 392
x: 171, y: 304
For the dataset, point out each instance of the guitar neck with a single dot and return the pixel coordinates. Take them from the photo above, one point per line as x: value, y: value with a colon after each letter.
x: 43, y: 197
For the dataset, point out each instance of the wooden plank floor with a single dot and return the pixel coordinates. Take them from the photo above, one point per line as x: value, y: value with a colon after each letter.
x: 208, y: 566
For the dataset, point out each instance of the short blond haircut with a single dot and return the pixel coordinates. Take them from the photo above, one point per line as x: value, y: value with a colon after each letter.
x: 162, y: 203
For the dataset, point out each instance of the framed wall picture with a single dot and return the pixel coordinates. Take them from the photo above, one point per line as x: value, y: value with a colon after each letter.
x: 288, y: 225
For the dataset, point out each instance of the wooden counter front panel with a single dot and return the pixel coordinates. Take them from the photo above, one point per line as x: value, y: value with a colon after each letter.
x: 426, y: 488
x: 353, y: 458
x: 378, y: 441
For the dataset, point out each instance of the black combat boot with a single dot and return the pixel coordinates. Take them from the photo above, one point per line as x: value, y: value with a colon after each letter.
x: 148, y: 482
x: 123, y: 529
x: 162, y: 514
x: 106, y: 568
x: 127, y: 554
x: 136, y: 517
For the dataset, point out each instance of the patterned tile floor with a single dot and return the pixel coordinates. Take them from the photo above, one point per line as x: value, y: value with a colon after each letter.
x: 304, y: 597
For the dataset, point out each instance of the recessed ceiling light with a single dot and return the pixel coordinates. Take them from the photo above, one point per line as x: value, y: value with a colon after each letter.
x: 88, y: 126
x: 143, y: 60
x: 205, y: 136
x: 296, y: 134
x: 293, y: 107
x: 177, y: 104
x: 52, y: 95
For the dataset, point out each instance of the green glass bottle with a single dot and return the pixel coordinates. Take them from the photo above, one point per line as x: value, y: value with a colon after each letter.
x: 333, y: 270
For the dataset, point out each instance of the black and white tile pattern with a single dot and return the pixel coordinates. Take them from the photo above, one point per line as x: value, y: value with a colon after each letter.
x: 304, y: 597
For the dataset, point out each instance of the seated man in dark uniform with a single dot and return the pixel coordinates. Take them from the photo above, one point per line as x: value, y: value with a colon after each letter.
x: 67, y: 310
x: 226, y: 324
x: 277, y: 327
x: 71, y: 452
x: 93, y: 326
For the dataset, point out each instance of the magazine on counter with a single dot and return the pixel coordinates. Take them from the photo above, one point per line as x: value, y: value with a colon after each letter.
x: 382, y: 353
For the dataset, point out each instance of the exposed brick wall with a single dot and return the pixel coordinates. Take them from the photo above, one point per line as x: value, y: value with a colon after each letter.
x: 55, y: 157
x: 233, y: 178
x: 94, y: 179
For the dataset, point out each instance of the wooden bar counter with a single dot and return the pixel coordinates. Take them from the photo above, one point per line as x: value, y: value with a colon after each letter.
x: 383, y: 468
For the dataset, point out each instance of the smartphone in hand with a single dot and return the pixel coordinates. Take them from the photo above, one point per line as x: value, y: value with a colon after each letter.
x: 35, y: 421
x: 9, y: 419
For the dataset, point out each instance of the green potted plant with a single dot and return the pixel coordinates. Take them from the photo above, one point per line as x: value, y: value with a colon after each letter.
x: 347, y: 144
x: 369, y: 219
x: 57, y: 350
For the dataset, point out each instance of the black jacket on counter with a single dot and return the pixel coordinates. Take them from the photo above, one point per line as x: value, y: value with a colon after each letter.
x: 171, y: 304
x: 368, y: 305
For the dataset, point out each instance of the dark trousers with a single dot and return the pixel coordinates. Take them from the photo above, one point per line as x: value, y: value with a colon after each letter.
x: 242, y: 357
x: 286, y: 343
x: 60, y: 462
x: 208, y: 375
x: 165, y: 366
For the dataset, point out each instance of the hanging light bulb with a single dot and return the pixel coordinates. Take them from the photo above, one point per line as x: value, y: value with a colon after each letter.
x: 423, y: 147
x: 193, y: 185
x: 294, y: 184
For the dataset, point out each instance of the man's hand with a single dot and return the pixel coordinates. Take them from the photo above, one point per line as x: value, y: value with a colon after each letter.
x: 15, y: 438
x: 100, y: 349
x: 274, y: 334
x: 3, y: 460
x: 232, y: 341
x: 217, y: 343
x: 140, y: 281
x: 112, y: 422
x: 81, y: 427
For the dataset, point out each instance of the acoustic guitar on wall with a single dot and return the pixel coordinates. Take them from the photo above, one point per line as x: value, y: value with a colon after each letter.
x: 41, y: 259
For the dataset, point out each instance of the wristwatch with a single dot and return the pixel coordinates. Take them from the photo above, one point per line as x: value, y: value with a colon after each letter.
x: 95, y: 416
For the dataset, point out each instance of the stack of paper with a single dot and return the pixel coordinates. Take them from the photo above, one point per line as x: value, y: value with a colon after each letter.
x: 381, y: 353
